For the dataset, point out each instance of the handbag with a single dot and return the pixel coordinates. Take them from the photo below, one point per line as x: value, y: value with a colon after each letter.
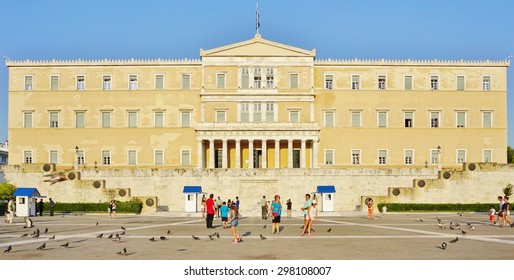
x: 274, y: 214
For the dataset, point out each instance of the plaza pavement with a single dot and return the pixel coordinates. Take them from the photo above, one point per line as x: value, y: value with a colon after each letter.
x: 395, y: 236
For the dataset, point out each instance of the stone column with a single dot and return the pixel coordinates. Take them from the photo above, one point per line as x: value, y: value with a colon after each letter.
x: 200, y: 162
x: 225, y: 154
x: 238, y: 153
x: 211, y: 153
x: 289, y: 153
x: 264, y: 153
x: 315, y: 143
x: 250, y: 153
x: 277, y: 153
x: 302, y: 154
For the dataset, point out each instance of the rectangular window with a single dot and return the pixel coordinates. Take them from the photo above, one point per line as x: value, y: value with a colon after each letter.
x: 382, y: 119
x: 159, y: 81
x: 220, y: 80
x: 245, y: 77
x: 355, y: 81
x: 293, y: 81
x: 382, y: 155
x: 461, y: 156
x: 186, y: 82
x: 329, y: 81
x: 132, y: 119
x: 434, y: 156
x: 54, y: 83
x: 270, y: 112
x: 158, y: 157
x: 270, y: 77
x: 486, y: 83
x: 381, y: 82
x: 256, y: 82
x: 257, y: 112
x: 434, y: 82
x: 106, y: 119
x: 408, y: 157
x: 81, y: 157
x: 408, y: 83
x: 133, y: 82
x: 27, y: 119
x: 107, y: 83
x: 487, y: 119
x: 185, y: 157
x: 158, y: 119
x: 132, y: 157
x: 294, y: 116
x: 27, y: 156
x: 329, y: 118
x: 80, y: 119
x: 356, y: 118
x: 81, y: 82
x: 329, y: 157
x: 53, y: 156
x: 434, y: 119
x: 221, y: 116
x: 245, y: 112
x: 461, y: 119
x: 408, y: 119
x: 356, y: 157
x: 28, y: 82
x: 106, y: 157
x: 460, y: 83
x: 487, y: 155
x: 185, y: 119
x: 54, y: 119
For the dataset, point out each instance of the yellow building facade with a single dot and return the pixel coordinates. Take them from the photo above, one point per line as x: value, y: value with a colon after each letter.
x: 257, y: 104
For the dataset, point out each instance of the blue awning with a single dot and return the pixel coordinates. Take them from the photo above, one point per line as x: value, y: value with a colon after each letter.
x: 326, y: 189
x: 31, y: 192
x: 192, y: 189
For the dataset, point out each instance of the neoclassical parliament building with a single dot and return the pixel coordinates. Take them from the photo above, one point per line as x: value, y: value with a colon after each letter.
x: 257, y: 104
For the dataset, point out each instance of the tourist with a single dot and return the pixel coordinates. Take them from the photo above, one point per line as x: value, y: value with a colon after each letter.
x: 370, y: 209
x: 219, y: 202
x: 11, y: 209
x: 276, y: 212
x: 51, y: 205
x: 289, y: 208
x: 500, y: 212
x: 264, y: 208
x: 210, y: 209
x: 233, y: 222
x: 224, y: 214
x: 312, y: 214
x: 40, y: 207
x: 203, y: 206
x: 492, y: 211
x: 506, y: 212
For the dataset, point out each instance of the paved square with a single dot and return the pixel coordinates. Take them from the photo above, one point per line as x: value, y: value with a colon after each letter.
x: 397, y: 236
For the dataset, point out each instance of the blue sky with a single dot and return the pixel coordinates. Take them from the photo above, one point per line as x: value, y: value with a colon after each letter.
x: 94, y: 29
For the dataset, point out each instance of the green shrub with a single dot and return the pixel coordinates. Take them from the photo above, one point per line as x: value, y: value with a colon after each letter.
x: 121, y: 207
x: 449, y: 207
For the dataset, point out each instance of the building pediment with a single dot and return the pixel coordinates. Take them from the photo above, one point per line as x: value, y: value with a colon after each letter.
x: 257, y: 46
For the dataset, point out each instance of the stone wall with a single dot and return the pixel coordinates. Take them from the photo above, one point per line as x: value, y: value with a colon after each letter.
x: 353, y: 185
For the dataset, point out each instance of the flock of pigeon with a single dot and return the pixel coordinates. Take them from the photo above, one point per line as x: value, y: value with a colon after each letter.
x: 452, y: 226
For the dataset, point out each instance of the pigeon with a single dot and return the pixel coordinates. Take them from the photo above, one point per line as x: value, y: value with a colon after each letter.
x: 110, y: 236
x: 459, y: 213
x: 46, y: 230
x: 65, y: 245
x: 96, y: 223
x: 329, y: 230
x: 438, y: 220
x: 451, y: 226
x: 100, y: 235
x: 8, y: 249
x: 37, y: 231
x: 123, y: 233
x: 152, y: 239
x: 163, y: 237
x: 264, y: 226
x: 195, y: 238
x: 123, y: 228
x: 52, y: 238
x: 471, y: 227
x: 117, y: 239
x: 41, y: 247
x: 444, y: 245
x: 210, y: 237
x: 217, y: 235
x: 463, y: 232
x: 419, y: 220
x: 25, y: 235
x: 169, y: 232
x: 35, y: 235
x: 262, y: 237
x: 454, y: 240
x: 312, y: 230
x: 441, y: 226
x: 469, y: 224
x: 122, y: 252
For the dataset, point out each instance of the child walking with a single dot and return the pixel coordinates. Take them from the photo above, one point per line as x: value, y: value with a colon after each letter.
x: 233, y: 221
x: 492, y: 213
x: 224, y: 214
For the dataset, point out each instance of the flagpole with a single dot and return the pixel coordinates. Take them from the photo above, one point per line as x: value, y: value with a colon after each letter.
x: 257, y: 22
